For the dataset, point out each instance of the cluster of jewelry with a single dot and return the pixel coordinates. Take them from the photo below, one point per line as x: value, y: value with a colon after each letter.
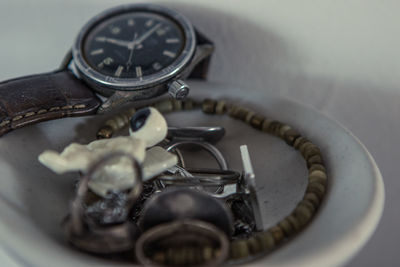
x: 138, y: 200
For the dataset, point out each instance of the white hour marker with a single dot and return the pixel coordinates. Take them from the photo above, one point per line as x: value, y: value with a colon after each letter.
x: 169, y: 53
x: 161, y: 32
x: 97, y: 52
x: 172, y: 40
x: 156, y: 66
x: 131, y: 22
x: 118, y: 71
x: 149, y: 23
x: 106, y: 61
x: 139, y: 71
x: 101, y: 39
x: 115, y: 30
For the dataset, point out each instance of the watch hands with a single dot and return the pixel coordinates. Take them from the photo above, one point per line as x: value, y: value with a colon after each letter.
x: 117, y: 42
x: 130, y: 44
x: 132, y: 48
x: 147, y: 34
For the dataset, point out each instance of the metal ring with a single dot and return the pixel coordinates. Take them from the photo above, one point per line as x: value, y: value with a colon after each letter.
x: 77, y: 207
x: 178, y: 153
x: 172, y: 236
x: 203, y: 177
x: 206, y: 146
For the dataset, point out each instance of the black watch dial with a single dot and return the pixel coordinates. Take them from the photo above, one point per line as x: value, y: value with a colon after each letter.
x: 133, y: 45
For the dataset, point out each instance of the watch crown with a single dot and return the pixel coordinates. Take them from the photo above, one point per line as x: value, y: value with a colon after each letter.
x: 178, y: 89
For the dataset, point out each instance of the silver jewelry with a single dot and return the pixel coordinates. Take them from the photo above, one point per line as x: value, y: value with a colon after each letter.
x: 206, y: 146
x: 184, y: 243
x: 103, y: 239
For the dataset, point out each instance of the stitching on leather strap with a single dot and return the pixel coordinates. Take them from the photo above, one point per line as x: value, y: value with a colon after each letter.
x: 41, y: 111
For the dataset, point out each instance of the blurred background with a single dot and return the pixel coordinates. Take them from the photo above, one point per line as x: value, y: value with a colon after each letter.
x: 340, y: 57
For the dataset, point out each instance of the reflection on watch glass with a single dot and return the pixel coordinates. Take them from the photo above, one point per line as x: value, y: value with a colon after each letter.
x: 133, y: 45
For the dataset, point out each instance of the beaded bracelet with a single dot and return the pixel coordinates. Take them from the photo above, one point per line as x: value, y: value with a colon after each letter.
x: 265, y: 241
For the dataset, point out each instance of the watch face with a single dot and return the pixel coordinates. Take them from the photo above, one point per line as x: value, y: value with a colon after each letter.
x: 133, y: 45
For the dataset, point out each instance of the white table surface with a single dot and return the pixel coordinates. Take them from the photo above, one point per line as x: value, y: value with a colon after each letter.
x: 340, y: 57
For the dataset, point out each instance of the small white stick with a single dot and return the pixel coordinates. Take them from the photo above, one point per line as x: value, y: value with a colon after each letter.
x: 250, y: 180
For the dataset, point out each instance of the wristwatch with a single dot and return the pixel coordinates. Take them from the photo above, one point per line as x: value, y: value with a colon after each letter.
x: 127, y: 53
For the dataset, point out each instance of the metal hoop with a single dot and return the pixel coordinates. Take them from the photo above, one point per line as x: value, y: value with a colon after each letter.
x: 172, y: 230
x: 206, y: 146
x: 77, y: 207
x: 202, y: 177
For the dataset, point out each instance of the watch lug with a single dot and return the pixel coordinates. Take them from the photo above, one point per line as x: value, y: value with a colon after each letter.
x: 198, y: 67
x: 66, y: 60
x: 115, y: 100
x: 202, y: 52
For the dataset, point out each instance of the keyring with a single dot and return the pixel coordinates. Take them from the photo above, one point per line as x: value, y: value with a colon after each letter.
x: 103, y: 239
x: 203, y: 177
x: 206, y: 146
x: 204, y: 134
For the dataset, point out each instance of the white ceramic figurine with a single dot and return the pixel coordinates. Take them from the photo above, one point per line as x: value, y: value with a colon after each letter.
x: 147, y: 128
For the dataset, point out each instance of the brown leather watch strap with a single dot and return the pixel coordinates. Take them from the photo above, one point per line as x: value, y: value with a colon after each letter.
x: 31, y: 99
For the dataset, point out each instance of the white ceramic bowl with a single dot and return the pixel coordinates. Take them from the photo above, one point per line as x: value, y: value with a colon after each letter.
x: 33, y: 200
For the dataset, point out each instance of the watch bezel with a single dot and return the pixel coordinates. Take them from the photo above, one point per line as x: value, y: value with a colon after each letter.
x: 132, y: 84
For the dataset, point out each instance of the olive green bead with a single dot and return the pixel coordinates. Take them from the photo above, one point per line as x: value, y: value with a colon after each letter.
x: 317, y: 189
x: 190, y: 257
x: 309, y: 205
x: 207, y: 254
x: 313, y: 198
x: 221, y: 107
x: 266, y: 240
x: 105, y: 132
x: 311, y: 151
x: 290, y: 136
x: 299, y: 142
x: 164, y: 106
x: 242, y: 114
x: 129, y: 113
x: 208, y: 106
x: 177, y: 105
x: 277, y: 233
x: 159, y: 257
x: 304, y: 146
x: 250, y: 115
x: 265, y: 125
x: 177, y: 257
x: 112, y: 123
x: 188, y: 104
x: 257, y: 121
x: 232, y: 110
x: 239, y: 249
x: 314, y: 167
x: 294, y: 222
x: 121, y: 120
x: 287, y: 228
x: 303, y: 214
x: 238, y: 112
x: 254, y: 245
x: 316, y: 159
x: 283, y: 130
x: 317, y: 176
x: 273, y: 127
